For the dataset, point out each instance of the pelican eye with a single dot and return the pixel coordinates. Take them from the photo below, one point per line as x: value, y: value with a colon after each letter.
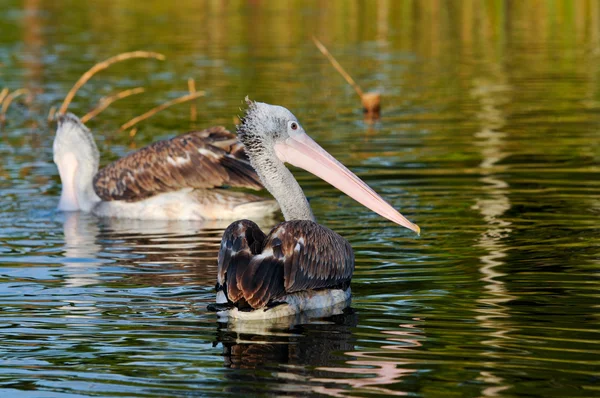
x: 294, y: 126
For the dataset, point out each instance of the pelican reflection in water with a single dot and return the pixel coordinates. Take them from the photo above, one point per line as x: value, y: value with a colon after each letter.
x: 151, y: 253
x: 312, y: 338
x: 300, y: 265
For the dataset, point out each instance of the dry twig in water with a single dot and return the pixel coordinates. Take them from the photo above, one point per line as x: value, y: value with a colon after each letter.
x: 3, y: 94
x: 103, y: 65
x: 51, y: 113
x: 338, y: 67
x: 371, y: 102
x: 161, y: 107
x: 9, y: 99
x: 193, y: 110
x: 106, y: 101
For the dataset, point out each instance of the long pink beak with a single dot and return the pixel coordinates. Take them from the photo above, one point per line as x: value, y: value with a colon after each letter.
x: 301, y: 151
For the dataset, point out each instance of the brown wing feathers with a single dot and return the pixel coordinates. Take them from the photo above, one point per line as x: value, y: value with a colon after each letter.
x: 241, y: 241
x: 296, y: 256
x: 201, y: 159
x: 315, y: 257
x: 262, y: 281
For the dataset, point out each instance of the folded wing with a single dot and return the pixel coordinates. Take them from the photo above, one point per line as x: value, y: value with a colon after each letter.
x: 296, y: 256
x: 200, y: 159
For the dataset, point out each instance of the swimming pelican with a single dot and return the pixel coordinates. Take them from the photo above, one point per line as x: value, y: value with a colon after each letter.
x: 300, y: 265
x: 167, y: 180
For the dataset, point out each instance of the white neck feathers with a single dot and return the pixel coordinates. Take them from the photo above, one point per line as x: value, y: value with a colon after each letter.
x: 280, y: 182
x: 77, y: 159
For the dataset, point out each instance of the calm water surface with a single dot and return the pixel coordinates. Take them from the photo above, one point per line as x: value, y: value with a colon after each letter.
x: 489, y: 141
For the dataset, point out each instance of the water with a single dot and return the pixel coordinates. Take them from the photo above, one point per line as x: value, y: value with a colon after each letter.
x: 489, y: 141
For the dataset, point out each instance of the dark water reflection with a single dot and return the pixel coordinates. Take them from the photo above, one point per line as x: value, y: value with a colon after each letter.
x: 489, y: 141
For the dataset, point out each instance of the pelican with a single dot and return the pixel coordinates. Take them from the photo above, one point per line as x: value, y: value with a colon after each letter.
x: 174, y: 179
x: 300, y: 265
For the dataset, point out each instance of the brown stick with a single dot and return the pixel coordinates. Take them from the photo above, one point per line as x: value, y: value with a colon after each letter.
x: 3, y: 94
x: 51, y: 113
x: 192, y: 89
x: 103, y: 65
x: 9, y: 99
x: 338, y: 67
x: 161, y: 107
x: 106, y: 101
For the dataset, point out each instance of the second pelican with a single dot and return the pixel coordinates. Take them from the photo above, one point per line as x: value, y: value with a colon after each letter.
x: 168, y: 180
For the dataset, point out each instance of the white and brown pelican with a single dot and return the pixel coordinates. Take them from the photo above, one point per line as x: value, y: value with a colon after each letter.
x: 167, y: 180
x: 300, y: 265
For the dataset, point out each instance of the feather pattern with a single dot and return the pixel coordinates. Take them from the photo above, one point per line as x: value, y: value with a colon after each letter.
x: 256, y: 270
x: 199, y: 159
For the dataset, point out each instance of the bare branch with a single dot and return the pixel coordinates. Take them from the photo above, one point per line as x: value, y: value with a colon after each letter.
x: 9, y: 99
x: 338, y: 67
x: 161, y: 107
x: 106, y: 101
x: 193, y: 110
x: 51, y: 113
x: 103, y: 65
x: 3, y: 94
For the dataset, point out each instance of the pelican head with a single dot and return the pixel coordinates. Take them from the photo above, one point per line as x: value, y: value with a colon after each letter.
x: 264, y: 125
x: 77, y: 158
x: 272, y: 135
